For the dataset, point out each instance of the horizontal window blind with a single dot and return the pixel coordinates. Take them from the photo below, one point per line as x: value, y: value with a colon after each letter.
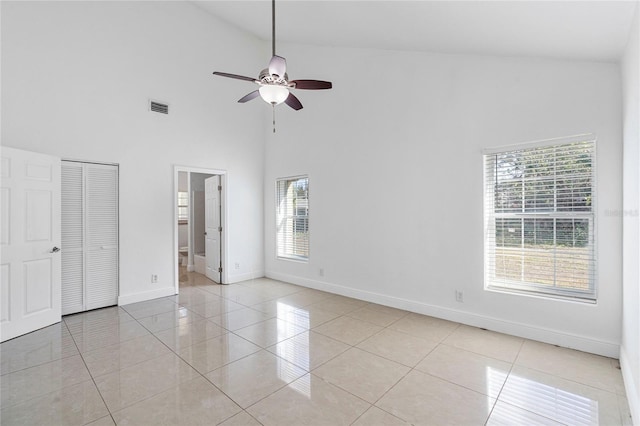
x: 540, y: 219
x: 292, y: 216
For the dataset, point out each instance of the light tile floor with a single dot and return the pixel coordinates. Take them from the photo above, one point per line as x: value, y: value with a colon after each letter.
x: 271, y: 353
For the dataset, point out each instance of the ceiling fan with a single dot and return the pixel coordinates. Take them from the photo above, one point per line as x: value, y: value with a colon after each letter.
x: 275, y: 86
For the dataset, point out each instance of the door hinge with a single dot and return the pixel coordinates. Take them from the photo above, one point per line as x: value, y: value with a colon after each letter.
x: 219, y: 228
x: 220, y: 269
x: 219, y: 187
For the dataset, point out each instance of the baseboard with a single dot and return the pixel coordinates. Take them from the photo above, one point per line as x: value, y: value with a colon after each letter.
x: 631, y: 387
x: 146, y: 295
x: 236, y: 278
x: 191, y: 268
x: 527, y: 331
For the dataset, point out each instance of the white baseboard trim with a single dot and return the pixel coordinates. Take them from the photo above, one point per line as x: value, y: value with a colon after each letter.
x: 191, y: 268
x: 631, y: 387
x: 555, y: 337
x: 146, y: 295
x: 236, y: 278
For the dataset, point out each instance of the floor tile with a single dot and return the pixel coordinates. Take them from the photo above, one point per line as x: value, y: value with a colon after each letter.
x: 192, y: 296
x: 423, y: 399
x: 36, y: 381
x: 195, y: 402
x: 398, y: 347
x: 269, y: 332
x: 476, y: 372
x: 485, y: 342
x: 97, y: 318
x: 339, y: 305
x: 377, y: 417
x: 241, y: 419
x: 363, y: 374
x: 210, y: 354
x: 73, y: 405
x: 348, y: 330
x: 236, y: 320
x: 121, y: 355
x: 103, y: 421
x: 212, y: 309
x: 307, y: 317
x: 304, y: 298
x: 504, y: 414
x: 309, y: 350
x: 171, y: 319
x: 188, y: 334
x: 373, y: 316
x: 150, y: 307
x: 581, y: 367
x: 254, y: 377
x: 109, y: 335
x: 140, y: 381
x: 559, y: 399
x: 36, y: 348
x: 423, y: 326
x: 309, y: 401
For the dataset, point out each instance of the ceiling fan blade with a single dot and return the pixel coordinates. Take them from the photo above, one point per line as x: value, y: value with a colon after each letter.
x: 311, y: 84
x: 278, y: 66
x: 248, y: 97
x: 238, y: 77
x: 293, y: 102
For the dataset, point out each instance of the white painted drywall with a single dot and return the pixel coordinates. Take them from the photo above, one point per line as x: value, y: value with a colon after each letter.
x: 76, y: 80
x: 630, y: 348
x: 394, y: 158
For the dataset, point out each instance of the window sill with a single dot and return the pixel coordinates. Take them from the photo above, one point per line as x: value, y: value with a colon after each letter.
x: 539, y: 295
x: 293, y: 259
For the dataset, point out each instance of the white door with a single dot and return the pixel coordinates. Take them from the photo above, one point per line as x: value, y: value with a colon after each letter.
x: 30, y: 239
x: 212, y: 227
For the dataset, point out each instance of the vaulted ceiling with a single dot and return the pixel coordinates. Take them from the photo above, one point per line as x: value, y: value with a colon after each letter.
x: 580, y: 30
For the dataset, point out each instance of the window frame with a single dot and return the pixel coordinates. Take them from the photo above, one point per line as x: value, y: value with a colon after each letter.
x: 491, y: 283
x: 278, y: 217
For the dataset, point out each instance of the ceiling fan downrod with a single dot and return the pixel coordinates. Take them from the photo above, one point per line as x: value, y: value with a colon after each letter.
x: 273, y: 27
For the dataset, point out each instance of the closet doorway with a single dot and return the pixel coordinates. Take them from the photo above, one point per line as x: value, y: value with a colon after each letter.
x: 89, y: 236
x: 199, y: 225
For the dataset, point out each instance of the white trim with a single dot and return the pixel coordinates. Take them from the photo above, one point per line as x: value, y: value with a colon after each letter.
x: 540, y: 143
x: 145, y: 295
x: 630, y: 386
x: 574, y: 341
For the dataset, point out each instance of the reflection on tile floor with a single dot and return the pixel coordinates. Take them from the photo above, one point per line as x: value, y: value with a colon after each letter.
x: 272, y: 353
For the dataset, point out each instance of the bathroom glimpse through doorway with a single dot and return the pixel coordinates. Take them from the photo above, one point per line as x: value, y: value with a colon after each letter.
x: 200, y: 242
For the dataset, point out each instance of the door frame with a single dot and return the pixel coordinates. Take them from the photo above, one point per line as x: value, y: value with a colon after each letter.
x: 223, y: 218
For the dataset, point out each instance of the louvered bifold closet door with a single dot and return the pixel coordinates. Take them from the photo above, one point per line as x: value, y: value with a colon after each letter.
x: 101, y: 235
x: 72, y: 238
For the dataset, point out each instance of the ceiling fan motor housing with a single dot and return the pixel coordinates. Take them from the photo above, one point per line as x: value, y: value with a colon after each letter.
x: 267, y: 78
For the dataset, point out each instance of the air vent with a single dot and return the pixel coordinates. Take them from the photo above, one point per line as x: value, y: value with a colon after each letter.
x: 159, y: 107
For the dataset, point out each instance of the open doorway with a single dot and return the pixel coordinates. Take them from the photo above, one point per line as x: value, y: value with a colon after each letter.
x: 199, y: 233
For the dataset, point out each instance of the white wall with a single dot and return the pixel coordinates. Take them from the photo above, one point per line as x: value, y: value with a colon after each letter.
x: 393, y: 154
x: 630, y: 349
x: 76, y: 79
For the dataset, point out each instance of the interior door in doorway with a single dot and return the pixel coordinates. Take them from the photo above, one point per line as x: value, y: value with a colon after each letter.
x: 30, y: 238
x: 213, y: 228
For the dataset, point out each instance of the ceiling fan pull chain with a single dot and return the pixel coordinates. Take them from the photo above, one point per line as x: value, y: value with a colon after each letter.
x: 274, y: 117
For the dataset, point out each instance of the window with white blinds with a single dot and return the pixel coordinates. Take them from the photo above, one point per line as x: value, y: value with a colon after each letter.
x: 540, y: 218
x: 292, y: 218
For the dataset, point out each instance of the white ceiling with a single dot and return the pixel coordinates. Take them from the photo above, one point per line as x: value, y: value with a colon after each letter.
x: 582, y: 30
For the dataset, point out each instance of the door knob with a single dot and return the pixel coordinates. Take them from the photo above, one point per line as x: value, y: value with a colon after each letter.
x: 54, y: 250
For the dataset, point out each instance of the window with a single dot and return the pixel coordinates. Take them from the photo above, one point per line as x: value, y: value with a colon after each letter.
x: 183, y: 206
x: 540, y: 218
x: 292, y: 218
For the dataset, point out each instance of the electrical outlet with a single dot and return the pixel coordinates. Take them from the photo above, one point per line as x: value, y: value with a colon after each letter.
x: 237, y: 265
x: 154, y: 278
x: 321, y: 272
x: 459, y: 296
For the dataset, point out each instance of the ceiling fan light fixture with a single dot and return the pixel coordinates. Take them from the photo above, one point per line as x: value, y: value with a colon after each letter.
x: 274, y: 94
